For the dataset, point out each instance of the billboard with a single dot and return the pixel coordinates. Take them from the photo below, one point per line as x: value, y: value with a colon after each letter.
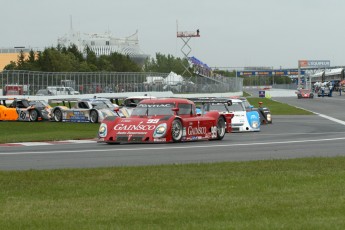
x: 314, y: 63
x: 286, y: 72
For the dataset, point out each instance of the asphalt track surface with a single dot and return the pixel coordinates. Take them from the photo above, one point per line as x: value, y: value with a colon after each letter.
x: 319, y: 135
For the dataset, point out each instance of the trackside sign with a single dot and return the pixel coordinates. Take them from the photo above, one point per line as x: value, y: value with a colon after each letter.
x: 314, y: 63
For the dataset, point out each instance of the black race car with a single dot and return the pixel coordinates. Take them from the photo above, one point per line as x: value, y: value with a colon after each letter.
x: 264, y: 112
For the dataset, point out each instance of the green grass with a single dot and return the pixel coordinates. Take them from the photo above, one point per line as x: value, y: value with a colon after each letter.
x: 277, y: 108
x: 275, y: 194
x: 45, y: 131
x: 245, y: 94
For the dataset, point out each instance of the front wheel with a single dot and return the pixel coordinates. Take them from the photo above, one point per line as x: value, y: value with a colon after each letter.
x: 220, y: 128
x: 93, y: 116
x: 33, y: 114
x: 58, y: 115
x: 176, y: 130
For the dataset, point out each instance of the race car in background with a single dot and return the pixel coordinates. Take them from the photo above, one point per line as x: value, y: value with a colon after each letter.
x: 130, y: 103
x: 92, y: 110
x: 24, y: 110
x: 164, y: 120
x: 304, y: 93
x: 243, y: 121
x: 264, y: 112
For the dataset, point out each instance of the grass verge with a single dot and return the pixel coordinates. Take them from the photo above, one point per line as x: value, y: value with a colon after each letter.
x: 45, y: 131
x: 278, y: 108
x: 276, y: 194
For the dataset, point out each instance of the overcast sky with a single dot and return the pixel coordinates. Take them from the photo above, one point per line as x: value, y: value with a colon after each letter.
x: 234, y: 33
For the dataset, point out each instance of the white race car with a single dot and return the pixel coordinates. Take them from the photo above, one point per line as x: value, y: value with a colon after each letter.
x: 243, y: 121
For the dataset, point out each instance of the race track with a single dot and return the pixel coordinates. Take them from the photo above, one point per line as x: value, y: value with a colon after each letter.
x: 317, y: 135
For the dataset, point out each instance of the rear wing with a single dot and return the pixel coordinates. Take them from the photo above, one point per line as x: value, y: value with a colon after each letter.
x: 114, y: 100
x: 212, y: 100
x: 3, y: 100
x: 65, y: 101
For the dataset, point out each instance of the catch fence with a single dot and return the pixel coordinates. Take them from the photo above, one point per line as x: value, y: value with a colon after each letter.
x: 114, y: 82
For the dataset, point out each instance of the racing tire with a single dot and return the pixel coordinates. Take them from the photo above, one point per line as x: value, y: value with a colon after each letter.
x: 176, y: 130
x: 220, y: 128
x: 94, y: 116
x: 33, y: 115
x: 58, y: 115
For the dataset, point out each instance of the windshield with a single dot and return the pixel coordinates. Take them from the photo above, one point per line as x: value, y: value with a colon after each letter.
x: 236, y: 106
x: 246, y: 103
x: 153, y: 109
x: 305, y: 91
x: 132, y: 102
x: 102, y: 104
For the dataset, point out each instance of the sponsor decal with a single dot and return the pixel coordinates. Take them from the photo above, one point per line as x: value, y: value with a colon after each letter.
x: 136, y: 133
x: 214, y: 131
x: 131, y: 133
x: 184, y: 132
x: 196, y: 130
x: 152, y: 121
x: 155, y: 105
x: 138, y: 127
x: 75, y: 116
x: 159, y: 139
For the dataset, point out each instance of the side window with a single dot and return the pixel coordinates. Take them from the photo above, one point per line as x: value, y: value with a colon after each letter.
x: 82, y: 105
x: 186, y: 109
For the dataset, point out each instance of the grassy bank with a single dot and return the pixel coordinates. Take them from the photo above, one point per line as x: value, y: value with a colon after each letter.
x: 45, y: 131
x: 278, y: 108
x: 277, y: 194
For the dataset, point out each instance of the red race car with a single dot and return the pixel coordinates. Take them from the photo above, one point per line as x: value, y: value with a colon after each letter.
x: 165, y: 120
x: 304, y: 93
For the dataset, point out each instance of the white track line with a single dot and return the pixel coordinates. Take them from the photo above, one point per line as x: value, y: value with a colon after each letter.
x: 172, y: 147
x: 325, y: 116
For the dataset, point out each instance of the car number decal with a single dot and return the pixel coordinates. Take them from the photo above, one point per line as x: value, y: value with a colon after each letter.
x: 152, y: 121
x: 22, y: 115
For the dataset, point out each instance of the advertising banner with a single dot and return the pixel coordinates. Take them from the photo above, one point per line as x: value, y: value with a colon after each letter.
x: 286, y: 72
x: 314, y: 63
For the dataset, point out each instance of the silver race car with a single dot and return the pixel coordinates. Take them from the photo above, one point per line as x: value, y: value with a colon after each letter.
x: 84, y: 110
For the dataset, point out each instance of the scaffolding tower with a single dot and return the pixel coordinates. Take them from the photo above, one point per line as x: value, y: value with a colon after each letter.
x: 186, y: 49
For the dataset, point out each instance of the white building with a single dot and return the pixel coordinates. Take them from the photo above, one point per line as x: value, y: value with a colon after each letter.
x: 105, y: 44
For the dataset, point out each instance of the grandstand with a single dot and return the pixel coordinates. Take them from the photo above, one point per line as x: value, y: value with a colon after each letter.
x: 202, y: 69
x: 335, y: 75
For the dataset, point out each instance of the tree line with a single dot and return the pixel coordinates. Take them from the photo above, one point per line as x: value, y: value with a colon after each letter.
x: 70, y: 59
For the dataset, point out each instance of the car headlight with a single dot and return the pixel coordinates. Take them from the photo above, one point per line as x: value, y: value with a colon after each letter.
x: 255, y: 124
x: 102, y: 131
x: 269, y: 118
x: 161, y: 130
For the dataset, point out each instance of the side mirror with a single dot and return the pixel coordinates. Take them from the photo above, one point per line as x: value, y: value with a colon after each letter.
x: 229, y: 103
x: 116, y: 109
x: 175, y: 109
